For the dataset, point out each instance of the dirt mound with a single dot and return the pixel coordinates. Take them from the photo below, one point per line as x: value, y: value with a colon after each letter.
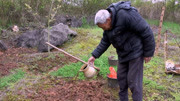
x: 73, y: 91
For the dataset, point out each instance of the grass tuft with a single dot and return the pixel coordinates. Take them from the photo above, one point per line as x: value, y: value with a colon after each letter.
x: 152, y: 84
x: 8, y: 80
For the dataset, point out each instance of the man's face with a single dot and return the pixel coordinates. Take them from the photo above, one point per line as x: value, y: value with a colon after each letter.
x: 106, y: 25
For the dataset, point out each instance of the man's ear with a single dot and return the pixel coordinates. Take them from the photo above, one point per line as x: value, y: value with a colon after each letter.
x: 109, y: 19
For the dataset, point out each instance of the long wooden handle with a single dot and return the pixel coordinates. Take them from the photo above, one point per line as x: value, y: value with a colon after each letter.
x: 66, y: 53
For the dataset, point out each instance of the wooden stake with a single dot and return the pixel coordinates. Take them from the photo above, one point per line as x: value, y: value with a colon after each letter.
x: 159, y: 31
x: 165, y: 47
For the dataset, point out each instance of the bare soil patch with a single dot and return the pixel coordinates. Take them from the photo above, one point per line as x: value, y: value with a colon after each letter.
x: 45, y: 62
x: 14, y: 58
x: 73, y: 91
x: 11, y: 58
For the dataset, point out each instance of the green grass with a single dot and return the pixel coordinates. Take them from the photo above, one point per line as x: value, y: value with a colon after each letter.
x: 84, y: 43
x: 69, y: 71
x: 8, y: 80
x: 155, y: 62
x: 153, y: 22
x: 152, y: 84
x: 155, y: 80
x: 72, y: 69
x: 176, y: 96
x: 174, y: 27
x: 150, y: 70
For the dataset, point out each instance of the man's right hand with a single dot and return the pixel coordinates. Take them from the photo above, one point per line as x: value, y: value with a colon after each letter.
x: 91, y: 60
x: 147, y: 59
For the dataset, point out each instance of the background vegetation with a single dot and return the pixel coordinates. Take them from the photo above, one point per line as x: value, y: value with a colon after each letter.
x: 24, y: 12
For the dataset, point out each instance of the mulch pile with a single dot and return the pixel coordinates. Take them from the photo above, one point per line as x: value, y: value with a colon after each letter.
x: 73, y: 91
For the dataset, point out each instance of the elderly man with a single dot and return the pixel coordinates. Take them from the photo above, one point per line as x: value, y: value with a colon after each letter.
x: 133, y: 39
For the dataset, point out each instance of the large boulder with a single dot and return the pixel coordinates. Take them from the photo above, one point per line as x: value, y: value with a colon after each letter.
x: 37, y: 38
x: 29, y: 39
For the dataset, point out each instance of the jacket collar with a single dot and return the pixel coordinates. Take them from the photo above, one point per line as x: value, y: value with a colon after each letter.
x: 115, y: 7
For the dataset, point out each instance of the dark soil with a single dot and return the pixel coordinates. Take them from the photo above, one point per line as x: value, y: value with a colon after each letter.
x: 73, y: 91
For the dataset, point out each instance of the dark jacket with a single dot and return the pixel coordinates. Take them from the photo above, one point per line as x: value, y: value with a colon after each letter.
x: 130, y: 34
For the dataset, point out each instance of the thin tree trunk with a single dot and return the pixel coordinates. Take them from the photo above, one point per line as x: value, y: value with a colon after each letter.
x: 49, y: 19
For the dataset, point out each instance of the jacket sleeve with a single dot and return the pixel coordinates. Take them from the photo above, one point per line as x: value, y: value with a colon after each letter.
x: 136, y: 23
x: 102, y: 47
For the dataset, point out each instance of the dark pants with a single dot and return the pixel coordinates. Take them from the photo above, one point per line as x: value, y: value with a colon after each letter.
x: 130, y: 74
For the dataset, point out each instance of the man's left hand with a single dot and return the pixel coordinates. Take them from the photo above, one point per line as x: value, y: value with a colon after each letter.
x: 147, y: 59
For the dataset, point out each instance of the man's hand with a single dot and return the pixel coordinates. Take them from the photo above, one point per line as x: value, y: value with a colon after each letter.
x: 91, y: 60
x: 147, y: 59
